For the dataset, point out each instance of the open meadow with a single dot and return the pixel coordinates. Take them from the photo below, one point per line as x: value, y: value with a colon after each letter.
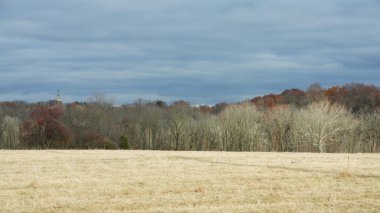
x: 159, y: 181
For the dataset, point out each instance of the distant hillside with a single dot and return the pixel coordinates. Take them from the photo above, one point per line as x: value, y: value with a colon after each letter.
x: 359, y: 98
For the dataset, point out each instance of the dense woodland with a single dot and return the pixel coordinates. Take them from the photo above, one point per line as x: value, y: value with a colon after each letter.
x: 339, y: 119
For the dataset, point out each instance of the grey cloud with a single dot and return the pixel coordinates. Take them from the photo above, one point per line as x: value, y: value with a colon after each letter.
x: 202, y: 51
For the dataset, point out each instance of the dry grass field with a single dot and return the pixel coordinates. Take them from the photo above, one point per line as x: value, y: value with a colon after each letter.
x: 155, y: 181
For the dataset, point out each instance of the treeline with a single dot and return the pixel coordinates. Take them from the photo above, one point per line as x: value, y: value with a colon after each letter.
x: 338, y: 119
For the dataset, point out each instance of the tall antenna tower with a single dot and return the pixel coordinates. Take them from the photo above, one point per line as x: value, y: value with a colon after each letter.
x: 58, y: 97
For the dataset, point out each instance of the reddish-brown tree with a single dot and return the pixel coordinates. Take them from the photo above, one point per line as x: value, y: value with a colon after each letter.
x: 44, y: 129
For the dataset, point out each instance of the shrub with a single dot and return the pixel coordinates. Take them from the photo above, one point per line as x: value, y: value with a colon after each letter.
x: 94, y: 140
x: 124, y: 142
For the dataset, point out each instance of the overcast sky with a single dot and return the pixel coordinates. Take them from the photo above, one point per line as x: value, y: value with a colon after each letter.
x: 201, y: 51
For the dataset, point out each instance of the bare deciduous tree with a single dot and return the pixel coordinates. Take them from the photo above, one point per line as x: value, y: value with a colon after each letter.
x: 278, y: 126
x: 240, y: 129
x: 10, y: 136
x: 370, y: 129
x: 320, y: 124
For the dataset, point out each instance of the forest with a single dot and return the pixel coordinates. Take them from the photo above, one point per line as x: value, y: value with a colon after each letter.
x: 338, y: 119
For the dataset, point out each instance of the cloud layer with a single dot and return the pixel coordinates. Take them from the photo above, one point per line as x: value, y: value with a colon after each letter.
x: 201, y: 51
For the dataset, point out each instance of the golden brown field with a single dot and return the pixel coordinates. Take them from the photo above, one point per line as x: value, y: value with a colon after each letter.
x: 155, y: 181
